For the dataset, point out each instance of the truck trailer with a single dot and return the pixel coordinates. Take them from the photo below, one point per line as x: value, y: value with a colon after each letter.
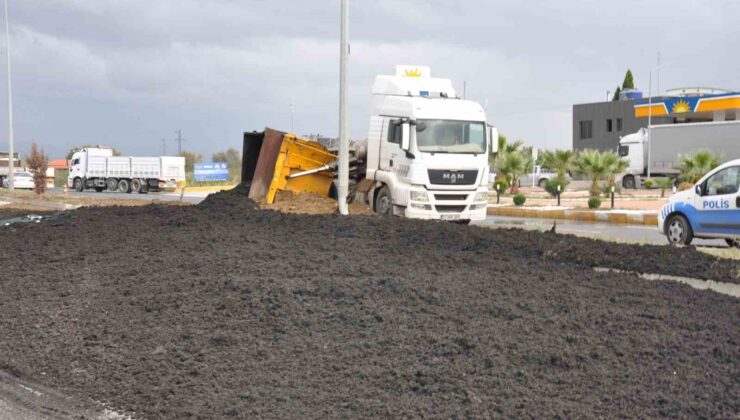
x: 98, y: 169
x: 669, y: 142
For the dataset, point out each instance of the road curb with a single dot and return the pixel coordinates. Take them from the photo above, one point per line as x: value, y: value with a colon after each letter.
x: 602, y: 216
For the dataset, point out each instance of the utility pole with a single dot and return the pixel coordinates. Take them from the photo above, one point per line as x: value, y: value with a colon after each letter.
x: 292, y: 117
x: 343, y: 187
x: 11, y: 156
x: 164, y: 147
x: 607, y: 95
x: 657, y: 82
x: 465, y: 89
x: 179, y: 141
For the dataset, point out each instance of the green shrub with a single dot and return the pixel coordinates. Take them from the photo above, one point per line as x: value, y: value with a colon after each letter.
x: 649, y: 183
x: 552, y: 186
x: 519, y: 199
x: 502, y: 185
x: 594, y: 202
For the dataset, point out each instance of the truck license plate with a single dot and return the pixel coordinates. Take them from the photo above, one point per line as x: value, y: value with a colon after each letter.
x: 450, y: 217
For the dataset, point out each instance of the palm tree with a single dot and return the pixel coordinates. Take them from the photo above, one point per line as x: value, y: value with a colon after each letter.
x: 664, y: 184
x: 598, y: 166
x: 694, y: 166
x: 560, y: 161
x: 614, y: 166
x: 513, y: 165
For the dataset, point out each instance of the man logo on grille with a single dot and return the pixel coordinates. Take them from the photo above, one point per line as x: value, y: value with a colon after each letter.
x: 453, y: 177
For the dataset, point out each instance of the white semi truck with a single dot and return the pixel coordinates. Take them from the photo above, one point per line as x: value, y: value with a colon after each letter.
x: 427, y: 149
x: 98, y: 169
x: 669, y: 141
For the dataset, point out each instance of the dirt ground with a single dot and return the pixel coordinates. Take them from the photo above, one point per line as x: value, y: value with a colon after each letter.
x: 224, y: 310
x: 308, y: 203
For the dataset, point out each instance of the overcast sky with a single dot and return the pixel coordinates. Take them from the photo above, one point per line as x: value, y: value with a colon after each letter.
x: 128, y: 73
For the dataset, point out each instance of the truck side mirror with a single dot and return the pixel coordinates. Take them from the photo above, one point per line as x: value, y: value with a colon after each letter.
x: 405, y: 136
x: 493, y: 138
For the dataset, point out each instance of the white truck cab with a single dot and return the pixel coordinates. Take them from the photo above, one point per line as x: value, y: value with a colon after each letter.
x: 427, y: 149
x: 711, y: 209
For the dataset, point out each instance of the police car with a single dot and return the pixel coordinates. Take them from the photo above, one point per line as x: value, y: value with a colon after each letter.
x: 709, y: 210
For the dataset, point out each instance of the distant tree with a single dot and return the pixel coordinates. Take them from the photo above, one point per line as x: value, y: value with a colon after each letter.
x: 234, y: 159
x: 694, y: 166
x: 191, y: 158
x: 628, y: 83
x: 74, y: 150
x: 38, y: 162
x: 617, y: 91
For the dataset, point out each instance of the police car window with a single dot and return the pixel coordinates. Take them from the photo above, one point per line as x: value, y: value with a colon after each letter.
x: 726, y: 181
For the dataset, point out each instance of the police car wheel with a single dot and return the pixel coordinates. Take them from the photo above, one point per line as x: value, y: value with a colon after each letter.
x: 678, y: 231
x: 733, y: 243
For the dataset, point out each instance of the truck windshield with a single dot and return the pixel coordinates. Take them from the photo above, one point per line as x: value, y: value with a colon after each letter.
x: 445, y: 136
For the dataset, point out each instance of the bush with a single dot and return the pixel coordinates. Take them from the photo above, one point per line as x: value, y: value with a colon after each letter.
x: 502, y: 185
x: 594, y: 203
x: 519, y: 199
x: 685, y: 186
x: 552, y: 186
x: 649, y: 183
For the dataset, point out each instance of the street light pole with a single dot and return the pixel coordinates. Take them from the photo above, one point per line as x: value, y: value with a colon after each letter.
x: 343, y: 187
x: 650, y: 118
x: 11, y: 157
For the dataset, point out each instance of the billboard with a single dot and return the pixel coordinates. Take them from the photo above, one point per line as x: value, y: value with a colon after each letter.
x: 211, y: 171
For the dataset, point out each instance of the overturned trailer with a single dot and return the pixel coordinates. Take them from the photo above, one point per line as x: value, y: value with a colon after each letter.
x: 275, y: 161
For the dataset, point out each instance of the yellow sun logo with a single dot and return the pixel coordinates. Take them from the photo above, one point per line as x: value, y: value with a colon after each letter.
x: 680, y: 107
x: 412, y: 73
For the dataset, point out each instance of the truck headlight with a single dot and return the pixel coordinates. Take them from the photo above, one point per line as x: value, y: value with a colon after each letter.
x: 481, y: 196
x: 419, y: 196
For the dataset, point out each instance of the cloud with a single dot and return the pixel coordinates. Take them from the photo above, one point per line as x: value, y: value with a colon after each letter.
x: 132, y: 71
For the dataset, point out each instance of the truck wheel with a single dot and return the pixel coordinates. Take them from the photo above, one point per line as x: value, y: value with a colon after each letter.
x: 136, y: 185
x: 124, y: 186
x: 733, y: 243
x: 678, y: 230
x: 112, y: 184
x: 77, y: 185
x: 99, y: 189
x: 384, y: 202
x: 542, y: 183
x: 628, y: 182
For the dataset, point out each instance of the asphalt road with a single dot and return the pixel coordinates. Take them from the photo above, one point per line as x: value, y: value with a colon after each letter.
x: 606, y: 231
x: 189, y: 197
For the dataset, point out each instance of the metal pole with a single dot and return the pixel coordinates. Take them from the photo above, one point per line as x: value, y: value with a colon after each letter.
x: 650, y: 118
x: 11, y: 157
x: 343, y: 187
x: 164, y: 147
x: 292, y: 118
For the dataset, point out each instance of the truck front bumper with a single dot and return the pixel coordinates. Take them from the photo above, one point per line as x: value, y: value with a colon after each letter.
x: 450, y: 205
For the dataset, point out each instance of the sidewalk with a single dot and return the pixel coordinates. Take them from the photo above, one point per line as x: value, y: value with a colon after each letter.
x: 617, y: 216
x: 638, y: 207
